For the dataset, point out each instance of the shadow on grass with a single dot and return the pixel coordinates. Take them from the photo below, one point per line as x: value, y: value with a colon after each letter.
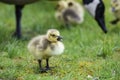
x: 52, y: 71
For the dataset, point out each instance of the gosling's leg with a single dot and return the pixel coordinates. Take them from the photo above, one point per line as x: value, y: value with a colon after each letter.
x: 68, y: 26
x: 47, y: 64
x: 41, y: 69
x: 18, y: 13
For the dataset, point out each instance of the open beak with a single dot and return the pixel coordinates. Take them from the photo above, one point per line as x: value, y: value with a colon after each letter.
x: 59, y: 38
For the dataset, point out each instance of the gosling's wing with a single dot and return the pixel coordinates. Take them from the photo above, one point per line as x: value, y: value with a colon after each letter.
x: 69, y: 13
x: 43, y: 44
x: 34, y: 42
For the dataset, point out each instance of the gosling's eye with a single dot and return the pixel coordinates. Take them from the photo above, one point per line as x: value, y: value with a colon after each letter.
x: 70, y: 4
x: 52, y: 35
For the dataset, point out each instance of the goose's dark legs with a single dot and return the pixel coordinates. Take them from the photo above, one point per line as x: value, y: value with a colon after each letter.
x: 18, y: 13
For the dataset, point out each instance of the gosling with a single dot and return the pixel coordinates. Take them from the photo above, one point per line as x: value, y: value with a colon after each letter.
x: 115, y: 8
x: 45, y: 46
x: 69, y: 12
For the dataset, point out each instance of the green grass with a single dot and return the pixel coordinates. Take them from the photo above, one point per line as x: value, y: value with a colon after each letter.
x: 88, y: 51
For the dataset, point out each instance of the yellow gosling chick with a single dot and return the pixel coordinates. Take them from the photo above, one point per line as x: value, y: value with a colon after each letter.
x: 60, y: 8
x: 69, y: 12
x: 45, y: 46
x: 115, y: 7
x: 78, y: 9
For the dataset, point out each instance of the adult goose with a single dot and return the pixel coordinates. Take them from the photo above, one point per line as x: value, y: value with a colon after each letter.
x: 19, y: 4
x: 97, y: 9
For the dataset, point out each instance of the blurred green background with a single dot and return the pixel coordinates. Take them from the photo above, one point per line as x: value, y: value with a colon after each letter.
x: 88, y: 51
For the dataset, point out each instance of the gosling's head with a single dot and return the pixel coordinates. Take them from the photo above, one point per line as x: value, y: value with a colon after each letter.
x: 64, y: 4
x: 53, y: 35
x: 61, y: 5
x: 115, y: 4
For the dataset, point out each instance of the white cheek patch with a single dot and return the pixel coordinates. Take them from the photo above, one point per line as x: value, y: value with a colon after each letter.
x: 91, y: 7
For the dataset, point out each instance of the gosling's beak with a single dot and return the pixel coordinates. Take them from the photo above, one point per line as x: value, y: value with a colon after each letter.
x: 113, y: 9
x: 59, y: 38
